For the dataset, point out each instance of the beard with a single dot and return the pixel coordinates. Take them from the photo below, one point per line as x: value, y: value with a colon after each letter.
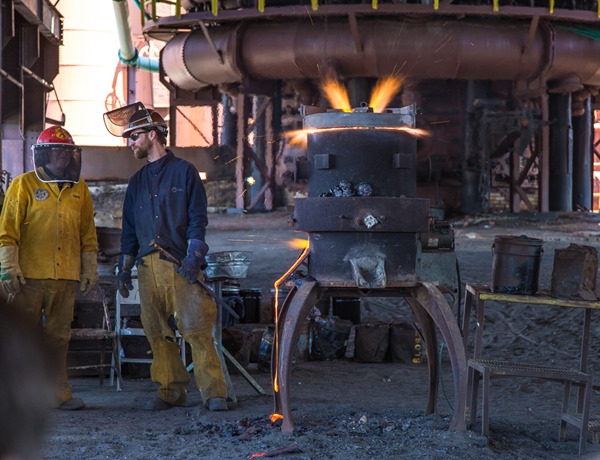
x: 140, y: 153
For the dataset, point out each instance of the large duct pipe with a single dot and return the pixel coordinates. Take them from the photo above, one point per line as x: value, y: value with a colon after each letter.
x: 440, y: 49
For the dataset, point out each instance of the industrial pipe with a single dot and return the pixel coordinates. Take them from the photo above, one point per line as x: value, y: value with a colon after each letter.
x: 435, y: 49
x: 128, y: 54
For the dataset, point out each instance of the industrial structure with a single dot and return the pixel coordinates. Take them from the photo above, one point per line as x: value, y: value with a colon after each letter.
x: 491, y: 107
x: 505, y: 90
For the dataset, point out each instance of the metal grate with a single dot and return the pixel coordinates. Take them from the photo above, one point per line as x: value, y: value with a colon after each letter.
x: 506, y: 368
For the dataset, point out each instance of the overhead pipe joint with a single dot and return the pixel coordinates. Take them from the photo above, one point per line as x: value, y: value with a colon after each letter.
x: 128, y: 53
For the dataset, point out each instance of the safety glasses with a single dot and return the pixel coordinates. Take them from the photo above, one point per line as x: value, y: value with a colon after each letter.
x: 134, y: 137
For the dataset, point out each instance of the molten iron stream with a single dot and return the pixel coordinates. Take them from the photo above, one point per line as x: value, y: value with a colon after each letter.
x: 275, y: 417
x: 301, y: 257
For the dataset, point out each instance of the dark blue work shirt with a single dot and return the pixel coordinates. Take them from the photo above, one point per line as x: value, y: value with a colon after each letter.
x: 165, y: 202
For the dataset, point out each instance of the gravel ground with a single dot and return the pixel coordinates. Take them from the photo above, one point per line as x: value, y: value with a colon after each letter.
x: 349, y: 410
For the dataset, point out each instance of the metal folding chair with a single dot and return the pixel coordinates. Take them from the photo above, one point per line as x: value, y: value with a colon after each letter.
x: 102, y: 334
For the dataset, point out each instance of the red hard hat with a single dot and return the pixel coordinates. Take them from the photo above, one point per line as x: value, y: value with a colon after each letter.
x: 55, y: 146
x: 55, y: 135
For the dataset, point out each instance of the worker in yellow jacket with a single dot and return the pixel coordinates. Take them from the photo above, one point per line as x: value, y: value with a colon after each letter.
x: 48, y: 246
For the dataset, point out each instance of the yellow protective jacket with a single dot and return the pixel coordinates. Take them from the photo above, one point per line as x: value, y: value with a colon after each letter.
x: 51, y: 227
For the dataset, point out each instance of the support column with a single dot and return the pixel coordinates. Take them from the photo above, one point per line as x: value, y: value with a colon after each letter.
x: 471, y: 202
x: 560, y: 192
x: 259, y: 148
x: 229, y: 129
x: 543, y: 199
x: 582, y: 158
x: 241, y: 164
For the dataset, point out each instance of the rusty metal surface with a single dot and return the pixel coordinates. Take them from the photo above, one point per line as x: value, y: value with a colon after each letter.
x: 574, y: 272
x: 348, y: 214
x: 198, y: 58
x: 437, y: 49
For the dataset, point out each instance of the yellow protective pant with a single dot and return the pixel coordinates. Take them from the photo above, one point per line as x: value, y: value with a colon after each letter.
x: 164, y: 293
x: 50, y: 304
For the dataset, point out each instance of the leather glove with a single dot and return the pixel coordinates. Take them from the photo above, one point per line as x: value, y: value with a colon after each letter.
x: 89, y: 272
x: 194, y: 262
x: 124, y: 283
x: 11, y: 276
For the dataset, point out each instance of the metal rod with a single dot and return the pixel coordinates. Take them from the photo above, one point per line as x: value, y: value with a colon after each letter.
x: 10, y: 78
x: 40, y: 80
x: 210, y: 41
x: 243, y: 371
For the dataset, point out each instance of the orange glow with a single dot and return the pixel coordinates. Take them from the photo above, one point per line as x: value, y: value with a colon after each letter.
x: 301, y: 257
x: 297, y: 243
x: 382, y: 94
x: 415, y: 131
x: 384, y: 91
x: 336, y: 94
x: 275, y: 417
x: 298, y: 138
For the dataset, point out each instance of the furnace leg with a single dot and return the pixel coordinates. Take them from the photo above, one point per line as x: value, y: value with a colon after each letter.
x: 299, y: 307
x: 436, y: 305
x: 430, y: 339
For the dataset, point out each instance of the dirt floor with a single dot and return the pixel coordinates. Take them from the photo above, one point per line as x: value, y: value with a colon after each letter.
x: 349, y: 410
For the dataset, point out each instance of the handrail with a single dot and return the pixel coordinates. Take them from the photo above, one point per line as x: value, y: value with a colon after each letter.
x: 457, y: 7
x: 177, y: 3
x: 262, y: 6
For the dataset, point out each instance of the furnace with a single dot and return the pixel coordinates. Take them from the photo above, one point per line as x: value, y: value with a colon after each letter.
x: 361, y: 214
x: 369, y: 235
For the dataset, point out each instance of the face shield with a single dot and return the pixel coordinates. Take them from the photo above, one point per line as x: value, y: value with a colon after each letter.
x: 120, y: 122
x: 57, y: 162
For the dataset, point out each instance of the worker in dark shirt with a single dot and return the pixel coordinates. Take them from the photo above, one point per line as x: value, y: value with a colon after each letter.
x: 165, y: 206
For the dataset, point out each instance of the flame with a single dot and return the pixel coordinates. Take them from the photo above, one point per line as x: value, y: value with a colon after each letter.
x: 298, y: 138
x: 275, y: 417
x: 336, y: 94
x: 415, y: 131
x: 297, y: 243
x: 384, y: 91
